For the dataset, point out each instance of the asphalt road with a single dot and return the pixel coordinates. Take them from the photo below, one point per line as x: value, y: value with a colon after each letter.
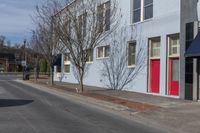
x: 24, y: 109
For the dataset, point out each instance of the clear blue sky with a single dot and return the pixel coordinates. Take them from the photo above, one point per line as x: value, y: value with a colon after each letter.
x: 15, y: 19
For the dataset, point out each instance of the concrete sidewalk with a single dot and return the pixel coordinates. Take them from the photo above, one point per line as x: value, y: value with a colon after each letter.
x: 176, y: 115
x: 163, y: 102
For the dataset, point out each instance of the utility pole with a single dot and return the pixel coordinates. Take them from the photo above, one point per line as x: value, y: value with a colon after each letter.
x: 24, y: 61
x: 25, y: 50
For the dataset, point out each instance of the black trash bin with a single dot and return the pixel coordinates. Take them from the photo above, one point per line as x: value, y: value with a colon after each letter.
x: 26, y: 74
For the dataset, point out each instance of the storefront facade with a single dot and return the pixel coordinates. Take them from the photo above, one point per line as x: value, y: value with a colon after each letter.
x: 165, y: 34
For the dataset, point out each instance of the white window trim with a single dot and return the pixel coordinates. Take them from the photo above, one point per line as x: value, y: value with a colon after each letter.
x: 142, y: 11
x: 131, y: 66
x: 104, y: 49
x: 89, y: 62
x: 67, y: 62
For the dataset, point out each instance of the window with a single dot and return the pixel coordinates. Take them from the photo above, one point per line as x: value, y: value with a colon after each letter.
x: 148, y: 9
x: 131, y: 53
x: 142, y: 10
x: 100, y: 18
x: 67, y: 25
x: 67, y: 68
x: 107, y: 15
x: 103, y: 16
x: 100, y: 52
x: 67, y: 63
x: 82, y: 19
x: 89, y: 55
x: 107, y: 51
x: 155, y: 48
x: 103, y: 52
x: 175, y: 70
x: 174, y: 45
x: 136, y: 10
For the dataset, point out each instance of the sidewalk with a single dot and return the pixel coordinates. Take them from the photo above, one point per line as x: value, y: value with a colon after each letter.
x: 173, y: 114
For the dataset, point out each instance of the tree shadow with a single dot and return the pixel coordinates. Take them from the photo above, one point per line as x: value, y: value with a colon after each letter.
x: 14, y: 102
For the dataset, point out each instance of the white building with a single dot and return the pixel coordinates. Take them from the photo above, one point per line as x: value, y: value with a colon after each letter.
x: 161, y: 27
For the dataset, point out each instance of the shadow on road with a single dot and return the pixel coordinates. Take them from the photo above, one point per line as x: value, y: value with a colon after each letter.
x: 14, y: 102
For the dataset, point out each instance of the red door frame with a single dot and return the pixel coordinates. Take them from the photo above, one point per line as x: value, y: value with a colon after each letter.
x: 173, y: 84
x: 155, y: 76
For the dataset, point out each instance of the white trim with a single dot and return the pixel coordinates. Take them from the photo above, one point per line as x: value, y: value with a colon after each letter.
x: 141, y: 22
x: 67, y: 62
x: 174, y: 56
x: 89, y: 62
x: 142, y: 11
x: 101, y: 58
x: 154, y: 58
x: 132, y: 66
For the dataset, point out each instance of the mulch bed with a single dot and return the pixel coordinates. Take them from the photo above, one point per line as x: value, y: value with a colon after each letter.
x: 141, y: 107
x: 130, y: 104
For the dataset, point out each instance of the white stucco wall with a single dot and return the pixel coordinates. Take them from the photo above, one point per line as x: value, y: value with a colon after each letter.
x: 165, y: 21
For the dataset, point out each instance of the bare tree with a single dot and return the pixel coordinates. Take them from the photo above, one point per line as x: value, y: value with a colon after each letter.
x: 82, y: 26
x: 42, y: 36
x: 120, y: 69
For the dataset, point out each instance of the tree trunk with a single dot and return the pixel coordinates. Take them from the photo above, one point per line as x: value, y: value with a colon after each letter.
x: 37, y: 68
x: 81, y: 84
x: 35, y: 71
x: 51, y: 76
x: 81, y: 74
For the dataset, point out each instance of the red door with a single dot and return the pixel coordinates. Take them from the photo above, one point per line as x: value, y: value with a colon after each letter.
x: 155, y: 76
x: 174, y: 77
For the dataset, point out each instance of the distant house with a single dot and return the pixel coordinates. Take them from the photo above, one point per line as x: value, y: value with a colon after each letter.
x: 7, y: 62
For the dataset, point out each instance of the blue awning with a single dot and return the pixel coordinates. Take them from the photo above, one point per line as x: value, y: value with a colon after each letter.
x: 194, y: 49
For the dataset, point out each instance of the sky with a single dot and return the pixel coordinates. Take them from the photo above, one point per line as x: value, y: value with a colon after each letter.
x: 15, y: 19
